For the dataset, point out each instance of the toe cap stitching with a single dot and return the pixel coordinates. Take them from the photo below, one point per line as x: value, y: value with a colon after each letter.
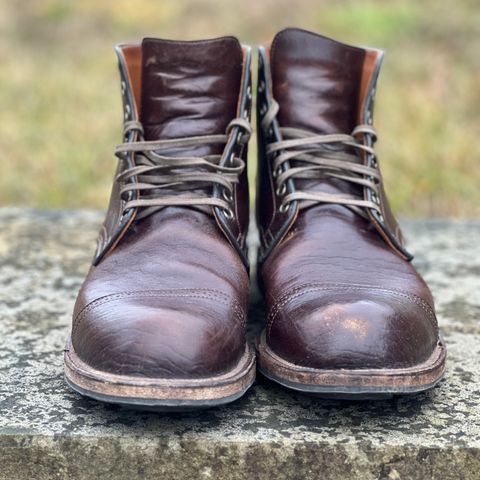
x: 215, y: 295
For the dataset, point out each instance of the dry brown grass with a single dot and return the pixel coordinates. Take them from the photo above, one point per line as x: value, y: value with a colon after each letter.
x: 61, y: 111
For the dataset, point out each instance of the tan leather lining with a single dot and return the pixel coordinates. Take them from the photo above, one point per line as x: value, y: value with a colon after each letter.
x: 369, y: 64
x: 133, y: 65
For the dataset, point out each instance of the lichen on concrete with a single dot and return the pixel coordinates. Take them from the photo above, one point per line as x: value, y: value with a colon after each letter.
x: 48, y: 431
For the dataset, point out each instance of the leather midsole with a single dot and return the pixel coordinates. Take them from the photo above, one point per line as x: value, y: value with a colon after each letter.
x: 97, y: 381
x: 426, y: 373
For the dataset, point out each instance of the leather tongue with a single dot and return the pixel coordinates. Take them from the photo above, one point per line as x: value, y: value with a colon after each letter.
x: 316, y: 81
x: 189, y: 88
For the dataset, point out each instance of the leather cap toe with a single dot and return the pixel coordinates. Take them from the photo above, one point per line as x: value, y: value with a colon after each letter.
x: 160, y: 334
x: 353, y: 329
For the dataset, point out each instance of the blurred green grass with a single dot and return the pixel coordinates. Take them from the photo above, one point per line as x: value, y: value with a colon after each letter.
x: 60, y: 102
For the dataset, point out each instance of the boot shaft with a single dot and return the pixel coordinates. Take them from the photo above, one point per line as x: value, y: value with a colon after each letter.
x: 176, y: 90
x: 321, y: 86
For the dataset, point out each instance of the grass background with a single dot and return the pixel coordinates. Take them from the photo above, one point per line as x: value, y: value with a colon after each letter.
x: 60, y: 101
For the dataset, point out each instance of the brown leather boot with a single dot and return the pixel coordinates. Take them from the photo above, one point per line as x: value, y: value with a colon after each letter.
x: 160, y: 319
x: 348, y: 314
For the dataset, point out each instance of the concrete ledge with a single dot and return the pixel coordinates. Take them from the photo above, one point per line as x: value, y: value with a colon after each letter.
x: 48, y: 432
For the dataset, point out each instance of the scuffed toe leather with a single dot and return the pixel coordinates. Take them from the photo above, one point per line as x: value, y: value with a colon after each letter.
x: 160, y: 334
x: 344, y: 327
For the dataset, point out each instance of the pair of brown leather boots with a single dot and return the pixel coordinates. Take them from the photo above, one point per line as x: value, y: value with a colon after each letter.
x: 160, y: 320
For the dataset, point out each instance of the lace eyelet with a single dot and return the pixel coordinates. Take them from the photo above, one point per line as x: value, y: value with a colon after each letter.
x: 227, y: 195
x: 281, y: 190
x: 261, y: 86
x: 249, y: 92
x: 228, y: 213
x: 277, y: 172
x: 127, y: 112
x: 123, y: 86
x: 284, y: 207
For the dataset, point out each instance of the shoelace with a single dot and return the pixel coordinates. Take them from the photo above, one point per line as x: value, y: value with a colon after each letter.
x: 319, y: 157
x: 163, y: 181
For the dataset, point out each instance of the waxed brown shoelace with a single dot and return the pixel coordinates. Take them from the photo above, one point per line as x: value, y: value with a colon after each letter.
x: 319, y: 157
x: 163, y: 181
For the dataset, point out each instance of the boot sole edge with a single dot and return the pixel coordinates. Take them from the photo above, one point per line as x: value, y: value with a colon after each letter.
x: 159, y: 394
x: 361, y: 384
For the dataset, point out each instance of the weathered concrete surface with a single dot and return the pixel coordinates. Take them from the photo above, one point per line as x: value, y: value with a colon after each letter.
x: 48, y: 432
